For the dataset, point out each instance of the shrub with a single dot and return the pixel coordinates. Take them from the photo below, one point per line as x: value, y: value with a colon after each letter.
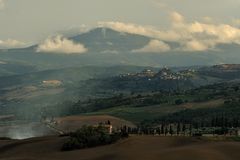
x: 179, y: 102
x: 88, y: 136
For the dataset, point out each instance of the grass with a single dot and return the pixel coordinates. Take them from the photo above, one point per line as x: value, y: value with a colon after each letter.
x: 138, y: 114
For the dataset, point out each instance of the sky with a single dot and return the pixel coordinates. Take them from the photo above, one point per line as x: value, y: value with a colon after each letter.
x: 25, y: 22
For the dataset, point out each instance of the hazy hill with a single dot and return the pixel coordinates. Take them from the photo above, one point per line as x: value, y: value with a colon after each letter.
x: 15, y: 68
x: 108, y: 47
x: 33, y: 91
x: 170, y: 79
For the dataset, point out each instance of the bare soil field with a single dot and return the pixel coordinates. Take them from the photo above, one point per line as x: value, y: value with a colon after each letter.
x: 208, y: 104
x: 133, y: 148
x: 72, y: 123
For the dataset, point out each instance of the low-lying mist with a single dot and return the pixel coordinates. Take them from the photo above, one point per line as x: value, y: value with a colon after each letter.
x: 24, y: 131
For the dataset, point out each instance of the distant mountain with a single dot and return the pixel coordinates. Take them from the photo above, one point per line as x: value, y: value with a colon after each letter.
x: 107, y: 40
x: 107, y: 47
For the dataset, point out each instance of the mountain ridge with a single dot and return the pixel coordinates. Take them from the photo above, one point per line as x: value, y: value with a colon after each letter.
x: 110, y: 47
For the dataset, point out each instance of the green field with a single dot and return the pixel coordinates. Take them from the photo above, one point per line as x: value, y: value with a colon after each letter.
x: 138, y: 114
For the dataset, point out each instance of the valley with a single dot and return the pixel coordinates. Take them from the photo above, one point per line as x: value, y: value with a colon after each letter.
x: 141, y: 96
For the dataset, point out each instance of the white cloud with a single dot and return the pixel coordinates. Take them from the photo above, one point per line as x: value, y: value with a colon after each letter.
x: 2, y: 4
x: 61, y: 45
x: 141, y: 30
x: 176, y: 17
x: 223, y: 33
x: 195, y: 45
x: 192, y: 36
x: 154, y: 46
x: 11, y: 43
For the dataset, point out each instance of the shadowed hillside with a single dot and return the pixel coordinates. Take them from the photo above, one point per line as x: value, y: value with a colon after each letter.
x: 139, y: 147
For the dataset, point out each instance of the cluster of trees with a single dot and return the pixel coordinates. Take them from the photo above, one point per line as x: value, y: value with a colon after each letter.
x: 202, y: 94
x: 220, y: 120
x: 180, y: 129
x: 90, y: 136
x: 146, y: 84
x: 166, y: 129
x: 92, y: 105
x: 226, y: 116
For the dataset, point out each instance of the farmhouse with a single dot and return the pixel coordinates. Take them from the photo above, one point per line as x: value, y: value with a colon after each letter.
x: 107, y: 127
x: 51, y: 83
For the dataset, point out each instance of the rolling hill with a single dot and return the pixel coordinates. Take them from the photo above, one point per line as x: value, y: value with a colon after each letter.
x: 136, y: 147
x: 28, y: 94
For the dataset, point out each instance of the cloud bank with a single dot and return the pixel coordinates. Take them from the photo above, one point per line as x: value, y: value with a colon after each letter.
x: 154, y: 46
x: 236, y: 22
x: 192, y: 36
x: 61, y: 45
x: 141, y: 30
x: 195, y: 45
x: 11, y: 43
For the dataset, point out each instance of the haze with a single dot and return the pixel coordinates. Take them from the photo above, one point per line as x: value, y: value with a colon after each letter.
x: 31, y: 21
